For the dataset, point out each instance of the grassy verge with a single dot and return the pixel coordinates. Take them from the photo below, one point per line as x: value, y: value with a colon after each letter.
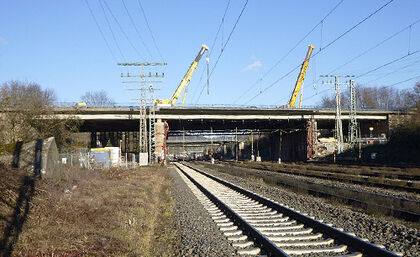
x: 88, y: 213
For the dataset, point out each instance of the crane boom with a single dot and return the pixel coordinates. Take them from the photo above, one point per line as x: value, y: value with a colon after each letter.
x: 301, y: 77
x: 187, y: 77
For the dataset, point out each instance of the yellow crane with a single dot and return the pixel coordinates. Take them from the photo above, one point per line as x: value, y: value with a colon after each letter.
x: 300, y: 79
x: 184, y: 82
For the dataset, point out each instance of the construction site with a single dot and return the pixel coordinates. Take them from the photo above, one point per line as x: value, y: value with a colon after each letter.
x: 210, y: 128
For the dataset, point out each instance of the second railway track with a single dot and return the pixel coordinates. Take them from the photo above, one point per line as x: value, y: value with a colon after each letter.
x: 260, y: 226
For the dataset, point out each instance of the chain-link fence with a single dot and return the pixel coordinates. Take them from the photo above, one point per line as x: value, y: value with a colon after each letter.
x: 80, y: 159
x: 84, y: 159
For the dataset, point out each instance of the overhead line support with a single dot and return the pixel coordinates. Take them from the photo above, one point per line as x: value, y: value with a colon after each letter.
x: 338, y: 123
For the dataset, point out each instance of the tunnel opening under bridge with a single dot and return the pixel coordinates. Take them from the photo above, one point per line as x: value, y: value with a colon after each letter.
x: 297, y: 140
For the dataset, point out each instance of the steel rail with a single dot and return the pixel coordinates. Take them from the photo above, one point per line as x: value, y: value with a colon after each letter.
x: 345, y: 238
x: 258, y: 238
x: 399, y: 213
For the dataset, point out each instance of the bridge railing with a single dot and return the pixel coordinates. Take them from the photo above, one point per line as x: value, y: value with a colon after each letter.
x: 282, y: 107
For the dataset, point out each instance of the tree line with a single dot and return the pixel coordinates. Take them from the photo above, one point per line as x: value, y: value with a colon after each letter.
x: 27, y: 113
x: 378, y: 98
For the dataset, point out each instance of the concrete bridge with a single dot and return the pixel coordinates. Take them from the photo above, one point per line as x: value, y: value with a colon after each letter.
x: 120, y: 125
x: 223, y: 118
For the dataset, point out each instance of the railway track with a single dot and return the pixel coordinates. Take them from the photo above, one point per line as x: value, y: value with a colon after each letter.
x: 402, y: 182
x: 259, y: 226
x: 402, y: 208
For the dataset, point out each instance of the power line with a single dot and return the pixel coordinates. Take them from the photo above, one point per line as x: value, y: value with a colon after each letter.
x: 418, y: 76
x: 203, y: 70
x: 220, y: 26
x: 150, y: 31
x: 290, y: 51
x: 394, y: 84
x: 274, y: 83
x: 328, y: 45
x: 228, y: 39
x: 224, y: 46
x: 212, y: 46
x: 112, y: 32
x: 136, y: 29
x: 388, y: 63
x: 394, y: 71
x: 318, y: 93
x: 100, y: 31
x: 375, y: 46
x: 355, y: 26
x: 122, y: 30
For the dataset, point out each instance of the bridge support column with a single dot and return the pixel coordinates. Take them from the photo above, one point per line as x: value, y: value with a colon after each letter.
x: 93, y: 139
x: 280, y: 135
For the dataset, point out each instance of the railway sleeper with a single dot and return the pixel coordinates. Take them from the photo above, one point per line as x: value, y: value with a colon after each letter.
x: 232, y: 233
x: 351, y: 255
x: 324, y: 242
x: 258, y: 216
x: 334, y: 249
x: 249, y: 251
x: 267, y: 220
x: 279, y: 228
x: 256, y: 213
x: 295, y: 237
x: 284, y: 223
x: 291, y: 232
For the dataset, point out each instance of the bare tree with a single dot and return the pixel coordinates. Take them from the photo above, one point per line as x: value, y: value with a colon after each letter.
x: 27, y: 113
x: 416, y: 95
x: 328, y: 101
x: 97, y: 98
x: 375, y: 98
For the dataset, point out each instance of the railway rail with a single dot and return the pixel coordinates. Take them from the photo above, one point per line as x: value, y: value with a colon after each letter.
x: 398, y: 207
x: 396, y: 181
x: 260, y: 226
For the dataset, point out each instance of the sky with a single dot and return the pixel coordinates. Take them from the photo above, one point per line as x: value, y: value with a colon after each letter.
x: 58, y: 45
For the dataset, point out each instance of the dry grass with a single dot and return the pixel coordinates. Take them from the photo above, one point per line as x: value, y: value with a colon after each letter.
x: 93, y: 213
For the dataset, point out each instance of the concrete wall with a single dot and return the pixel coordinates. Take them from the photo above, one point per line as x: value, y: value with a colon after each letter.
x: 395, y: 120
x: 39, y: 157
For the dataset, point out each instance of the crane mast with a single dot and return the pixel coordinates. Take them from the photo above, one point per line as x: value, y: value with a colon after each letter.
x: 187, y: 77
x: 300, y: 78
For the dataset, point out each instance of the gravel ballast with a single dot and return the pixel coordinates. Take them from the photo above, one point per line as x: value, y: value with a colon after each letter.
x: 392, y: 235
x: 331, y: 182
x: 199, y: 235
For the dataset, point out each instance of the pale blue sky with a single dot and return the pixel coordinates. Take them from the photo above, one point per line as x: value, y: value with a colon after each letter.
x: 58, y: 45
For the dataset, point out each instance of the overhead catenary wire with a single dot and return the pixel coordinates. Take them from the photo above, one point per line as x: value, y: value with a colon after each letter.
x: 355, y: 26
x: 122, y: 30
x: 325, y: 47
x: 212, y: 46
x: 290, y: 51
x: 375, y: 46
x: 224, y: 46
x: 136, y: 29
x: 101, y: 32
x: 218, y: 30
x: 397, y: 83
x: 386, y: 64
x: 391, y: 85
x: 111, y: 30
x: 150, y: 30
x: 394, y: 71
